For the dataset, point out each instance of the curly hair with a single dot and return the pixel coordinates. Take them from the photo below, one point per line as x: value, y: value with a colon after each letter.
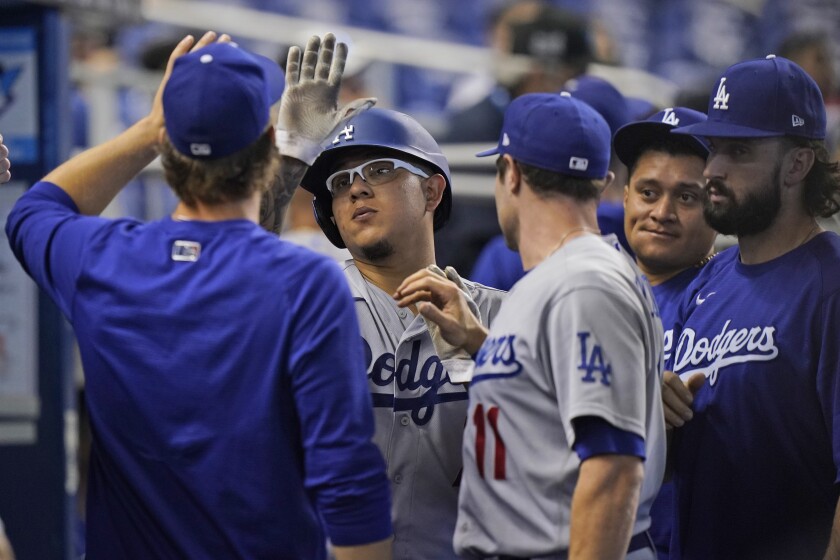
x: 821, y: 195
x: 228, y: 179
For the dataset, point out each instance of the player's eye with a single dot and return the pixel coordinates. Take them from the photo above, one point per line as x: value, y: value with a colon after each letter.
x: 379, y: 171
x: 340, y: 183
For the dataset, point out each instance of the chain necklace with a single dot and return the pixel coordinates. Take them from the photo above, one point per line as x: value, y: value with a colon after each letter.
x: 570, y: 232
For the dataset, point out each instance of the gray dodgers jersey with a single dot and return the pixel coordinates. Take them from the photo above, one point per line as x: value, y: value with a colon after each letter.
x: 419, y: 416
x: 578, y: 336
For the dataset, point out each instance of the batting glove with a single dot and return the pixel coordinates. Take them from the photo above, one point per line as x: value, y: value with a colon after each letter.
x: 309, y: 108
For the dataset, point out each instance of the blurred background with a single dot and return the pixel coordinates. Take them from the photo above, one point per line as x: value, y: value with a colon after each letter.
x: 74, y: 73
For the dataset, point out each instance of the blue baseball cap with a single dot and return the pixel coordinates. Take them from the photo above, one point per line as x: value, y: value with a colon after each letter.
x: 218, y: 98
x: 603, y: 97
x: 555, y: 132
x: 631, y: 139
x: 761, y: 98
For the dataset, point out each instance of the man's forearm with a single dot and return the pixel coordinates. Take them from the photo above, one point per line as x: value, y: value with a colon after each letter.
x: 276, y: 200
x: 833, y: 552
x: 94, y: 177
x: 380, y: 550
x: 604, y: 506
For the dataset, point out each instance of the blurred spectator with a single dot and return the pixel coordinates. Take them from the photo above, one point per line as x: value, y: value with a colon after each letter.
x: 558, y: 46
x: 812, y: 51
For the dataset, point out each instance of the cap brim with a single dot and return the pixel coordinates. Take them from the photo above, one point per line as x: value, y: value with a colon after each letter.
x: 719, y: 129
x: 274, y: 75
x: 490, y: 152
x: 631, y: 139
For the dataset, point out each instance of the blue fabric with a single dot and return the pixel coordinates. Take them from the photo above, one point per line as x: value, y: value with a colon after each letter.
x: 611, y: 221
x: 756, y: 469
x: 596, y: 436
x: 668, y: 296
x: 228, y: 402
x: 497, y: 266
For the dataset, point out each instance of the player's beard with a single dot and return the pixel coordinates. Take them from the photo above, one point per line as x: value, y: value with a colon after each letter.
x: 752, y: 215
x: 377, y: 251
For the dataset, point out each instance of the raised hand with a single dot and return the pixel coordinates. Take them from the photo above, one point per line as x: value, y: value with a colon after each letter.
x: 5, y: 164
x: 309, y: 109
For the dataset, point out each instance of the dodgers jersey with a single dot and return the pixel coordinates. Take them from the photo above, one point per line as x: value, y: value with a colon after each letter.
x: 756, y: 469
x: 579, y: 335
x: 668, y: 296
x: 419, y: 416
x: 222, y: 374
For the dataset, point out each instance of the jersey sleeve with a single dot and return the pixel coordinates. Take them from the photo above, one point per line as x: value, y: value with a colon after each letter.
x: 343, y: 468
x: 828, y: 374
x: 48, y: 236
x: 601, y: 370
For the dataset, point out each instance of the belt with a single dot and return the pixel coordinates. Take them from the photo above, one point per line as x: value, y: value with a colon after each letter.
x: 638, y: 542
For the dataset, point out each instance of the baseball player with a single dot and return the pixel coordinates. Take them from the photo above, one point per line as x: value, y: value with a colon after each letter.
x: 206, y: 341
x: 381, y: 188
x: 757, y: 454
x: 664, y: 224
x: 564, y: 446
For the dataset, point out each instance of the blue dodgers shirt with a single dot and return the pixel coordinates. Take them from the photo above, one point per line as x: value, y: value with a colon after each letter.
x: 225, y: 380
x: 756, y: 469
x: 668, y: 295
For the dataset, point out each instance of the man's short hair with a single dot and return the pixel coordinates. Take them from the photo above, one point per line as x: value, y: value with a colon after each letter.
x: 228, y: 179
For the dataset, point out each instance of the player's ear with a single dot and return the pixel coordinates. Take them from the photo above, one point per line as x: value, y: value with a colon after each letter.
x: 513, y: 175
x: 605, y: 184
x: 801, y: 160
x: 433, y: 188
x: 626, y: 194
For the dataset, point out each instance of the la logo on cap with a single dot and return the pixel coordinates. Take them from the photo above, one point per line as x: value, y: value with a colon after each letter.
x: 670, y: 117
x: 721, y: 97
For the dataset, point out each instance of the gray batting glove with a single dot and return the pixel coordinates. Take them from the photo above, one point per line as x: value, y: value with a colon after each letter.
x: 5, y: 164
x: 456, y: 360
x: 309, y: 108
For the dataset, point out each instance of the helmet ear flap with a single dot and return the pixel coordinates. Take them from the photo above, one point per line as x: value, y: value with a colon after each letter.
x: 322, y: 207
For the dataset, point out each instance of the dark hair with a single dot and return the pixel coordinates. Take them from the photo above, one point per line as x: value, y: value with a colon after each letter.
x: 547, y: 183
x: 796, y: 42
x: 674, y: 145
x: 231, y: 178
x: 821, y: 195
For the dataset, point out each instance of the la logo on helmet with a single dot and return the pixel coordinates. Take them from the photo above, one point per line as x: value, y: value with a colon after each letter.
x: 721, y: 97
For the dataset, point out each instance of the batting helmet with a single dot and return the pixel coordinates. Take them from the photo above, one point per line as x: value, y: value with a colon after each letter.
x: 378, y: 128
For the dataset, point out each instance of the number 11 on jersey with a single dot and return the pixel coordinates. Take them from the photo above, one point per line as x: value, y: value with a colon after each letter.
x: 480, y: 440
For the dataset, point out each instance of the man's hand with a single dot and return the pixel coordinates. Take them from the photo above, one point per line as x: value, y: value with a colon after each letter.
x: 309, y: 109
x: 677, y: 397
x: 5, y: 164
x: 442, y: 302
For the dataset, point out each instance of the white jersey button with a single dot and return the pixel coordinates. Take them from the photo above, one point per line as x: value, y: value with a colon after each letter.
x: 398, y: 478
x: 404, y: 420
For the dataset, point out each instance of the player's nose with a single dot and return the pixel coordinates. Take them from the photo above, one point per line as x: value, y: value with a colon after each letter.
x: 359, y: 187
x: 663, y: 210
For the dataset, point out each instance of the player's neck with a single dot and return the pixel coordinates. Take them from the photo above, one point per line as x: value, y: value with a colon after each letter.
x: 786, y: 234
x: 248, y: 209
x: 545, y: 226
x: 387, y: 274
